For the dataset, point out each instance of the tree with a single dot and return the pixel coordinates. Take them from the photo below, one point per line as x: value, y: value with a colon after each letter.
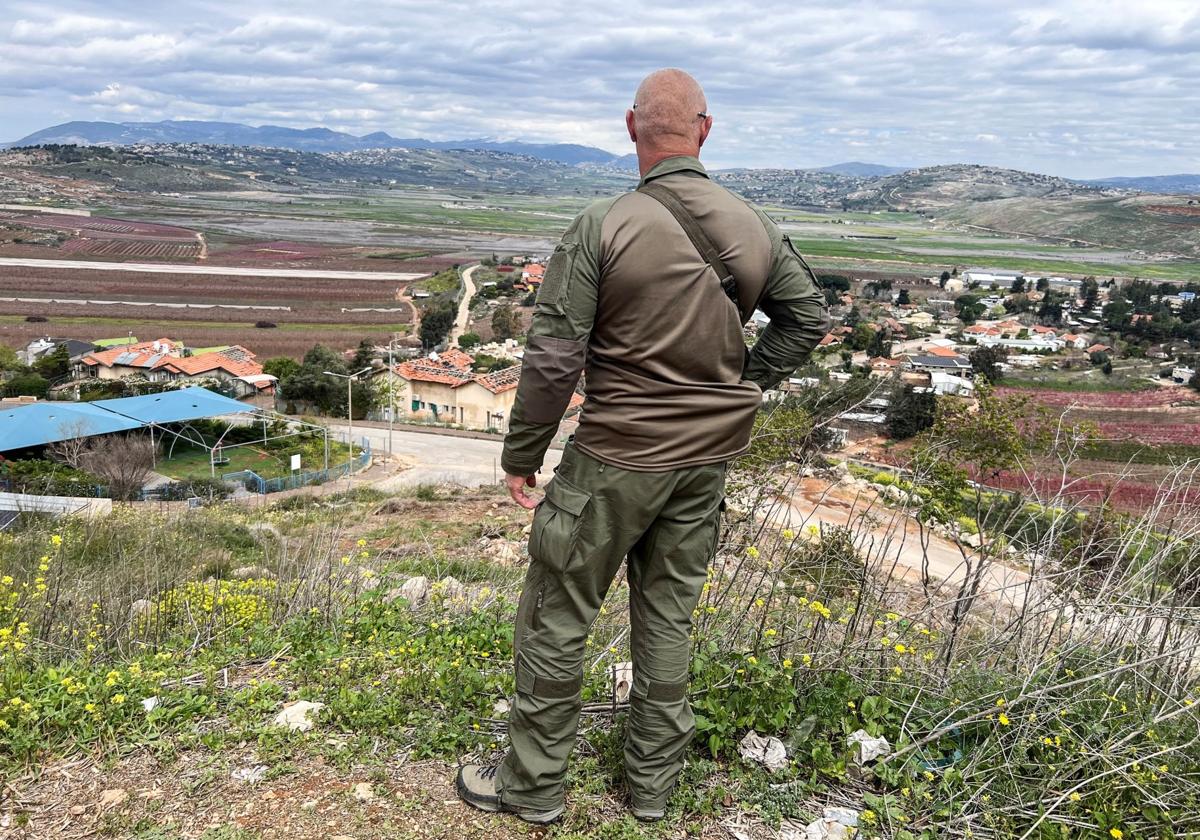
x: 1117, y: 315
x: 281, y: 367
x: 436, y: 322
x: 944, y: 279
x: 1042, y: 284
x: 308, y: 383
x: 1194, y: 382
x: 506, y: 323
x: 910, y: 412
x: 903, y: 299
x: 124, y: 464
x: 853, y: 317
x: 969, y: 308
x: 880, y: 344
x: 986, y: 361
x: 1098, y: 359
x: 27, y: 384
x: 54, y: 365
x: 8, y: 359
x: 1107, y: 369
x: 861, y: 337
x: 1018, y: 285
x: 1089, y: 290
x: 468, y: 340
x: 364, y: 354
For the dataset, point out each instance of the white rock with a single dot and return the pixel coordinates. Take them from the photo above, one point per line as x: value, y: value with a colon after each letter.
x: 113, y: 797
x: 769, y: 752
x: 251, y: 573
x: 363, y: 792
x: 869, y: 748
x: 622, y: 674
x: 415, y: 590
x: 501, y: 707
x: 298, y: 716
x: 451, y: 589
x: 250, y: 775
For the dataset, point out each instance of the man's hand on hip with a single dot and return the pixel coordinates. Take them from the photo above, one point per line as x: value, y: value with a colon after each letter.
x: 516, y: 489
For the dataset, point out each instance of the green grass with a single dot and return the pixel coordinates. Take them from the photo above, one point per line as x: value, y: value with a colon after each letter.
x: 189, y: 462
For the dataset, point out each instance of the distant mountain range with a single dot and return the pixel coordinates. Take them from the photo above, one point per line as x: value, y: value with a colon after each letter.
x: 324, y: 140
x: 297, y: 139
x: 1181, y: 184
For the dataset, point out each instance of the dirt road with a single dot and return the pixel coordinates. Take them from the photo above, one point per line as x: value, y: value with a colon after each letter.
x: 227, y: 270
x: 890, y: 538
x: 464, y: 307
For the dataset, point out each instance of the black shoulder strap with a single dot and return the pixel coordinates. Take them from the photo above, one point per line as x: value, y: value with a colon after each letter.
x: 667, y: 198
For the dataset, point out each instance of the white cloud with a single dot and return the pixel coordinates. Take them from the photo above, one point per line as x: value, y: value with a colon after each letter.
x: 1076, y: 87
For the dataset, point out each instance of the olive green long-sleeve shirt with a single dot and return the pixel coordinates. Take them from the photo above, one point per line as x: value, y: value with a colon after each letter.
x: 628, y: 299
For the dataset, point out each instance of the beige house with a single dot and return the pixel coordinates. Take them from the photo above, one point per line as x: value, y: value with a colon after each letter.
x: 442, y: 388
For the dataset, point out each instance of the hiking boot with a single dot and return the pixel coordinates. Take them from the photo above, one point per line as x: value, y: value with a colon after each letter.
x: 477, y: 787
x: 647, y: 815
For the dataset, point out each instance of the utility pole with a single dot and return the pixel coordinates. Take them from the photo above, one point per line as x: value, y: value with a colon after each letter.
x: 349, y: 377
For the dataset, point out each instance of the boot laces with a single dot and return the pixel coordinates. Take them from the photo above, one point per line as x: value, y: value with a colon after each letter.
x: 488, y: 772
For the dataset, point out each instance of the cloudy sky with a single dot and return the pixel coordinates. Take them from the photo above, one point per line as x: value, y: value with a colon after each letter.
x: 1082, y: 88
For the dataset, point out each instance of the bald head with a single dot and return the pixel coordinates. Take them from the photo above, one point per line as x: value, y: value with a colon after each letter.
x: 669, y: 116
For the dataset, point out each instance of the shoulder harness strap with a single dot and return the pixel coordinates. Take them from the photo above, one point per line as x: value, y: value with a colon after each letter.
x: 667, y: 198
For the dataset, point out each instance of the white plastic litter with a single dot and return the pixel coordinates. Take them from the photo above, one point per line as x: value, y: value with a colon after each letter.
x: 834, y: 825
x: 769, y: 752
x: 869, y: 748
x: 296, y: 716
x: 622, y: 681
x: 150, y: 704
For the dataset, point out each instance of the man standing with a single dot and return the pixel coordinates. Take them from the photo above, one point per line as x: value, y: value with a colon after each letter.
x: 648, y: 292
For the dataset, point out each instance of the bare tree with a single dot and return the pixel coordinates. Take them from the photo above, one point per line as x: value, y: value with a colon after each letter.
x: 71, y: 450
x: 123, y: 463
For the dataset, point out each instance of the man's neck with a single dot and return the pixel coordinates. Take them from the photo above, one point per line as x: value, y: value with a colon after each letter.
x: 650, y: 158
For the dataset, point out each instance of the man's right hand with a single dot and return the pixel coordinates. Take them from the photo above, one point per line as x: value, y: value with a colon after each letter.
x: 516, y: 489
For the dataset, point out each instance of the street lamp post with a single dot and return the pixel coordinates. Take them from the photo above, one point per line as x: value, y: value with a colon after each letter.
x: 349, y: 377
x: 391, y: 390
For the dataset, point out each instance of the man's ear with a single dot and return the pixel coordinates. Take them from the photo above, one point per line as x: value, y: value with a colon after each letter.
x: 630, y: 126
x: 705, y: 127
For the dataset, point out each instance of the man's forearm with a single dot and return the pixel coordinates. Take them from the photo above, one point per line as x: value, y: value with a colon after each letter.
x: 784, y: 345
x: 525, y: 445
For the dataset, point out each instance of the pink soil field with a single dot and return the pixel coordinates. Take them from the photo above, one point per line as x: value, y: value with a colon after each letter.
x: 1164, y: 396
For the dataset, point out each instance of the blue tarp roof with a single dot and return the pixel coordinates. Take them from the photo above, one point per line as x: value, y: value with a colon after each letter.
x: 47, y: 422
x: 175, y: 406
x: 40, y: 423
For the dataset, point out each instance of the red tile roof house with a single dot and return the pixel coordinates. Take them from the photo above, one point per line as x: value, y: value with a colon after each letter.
x: 163, y: 361
x: 442, y: 388
x: 1099, y: 348
x: 533, y: 273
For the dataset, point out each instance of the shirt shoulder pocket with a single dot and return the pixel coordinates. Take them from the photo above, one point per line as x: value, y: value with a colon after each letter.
x: 552, y: 295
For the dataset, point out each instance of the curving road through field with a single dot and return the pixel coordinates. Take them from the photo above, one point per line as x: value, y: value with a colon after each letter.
x: 464, y: 307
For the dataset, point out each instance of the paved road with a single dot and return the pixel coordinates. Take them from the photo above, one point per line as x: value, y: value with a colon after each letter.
x: 464, y: 307
x: 239, y: 271
x: 438, y: 458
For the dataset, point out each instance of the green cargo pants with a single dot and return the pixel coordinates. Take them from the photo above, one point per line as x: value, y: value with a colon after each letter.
x: 594, y: 515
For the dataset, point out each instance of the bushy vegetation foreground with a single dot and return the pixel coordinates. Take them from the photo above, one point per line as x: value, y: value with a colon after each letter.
x: 1062, y: 708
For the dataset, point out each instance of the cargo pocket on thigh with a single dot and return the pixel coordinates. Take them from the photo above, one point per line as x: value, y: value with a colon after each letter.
x: 556, y: 525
